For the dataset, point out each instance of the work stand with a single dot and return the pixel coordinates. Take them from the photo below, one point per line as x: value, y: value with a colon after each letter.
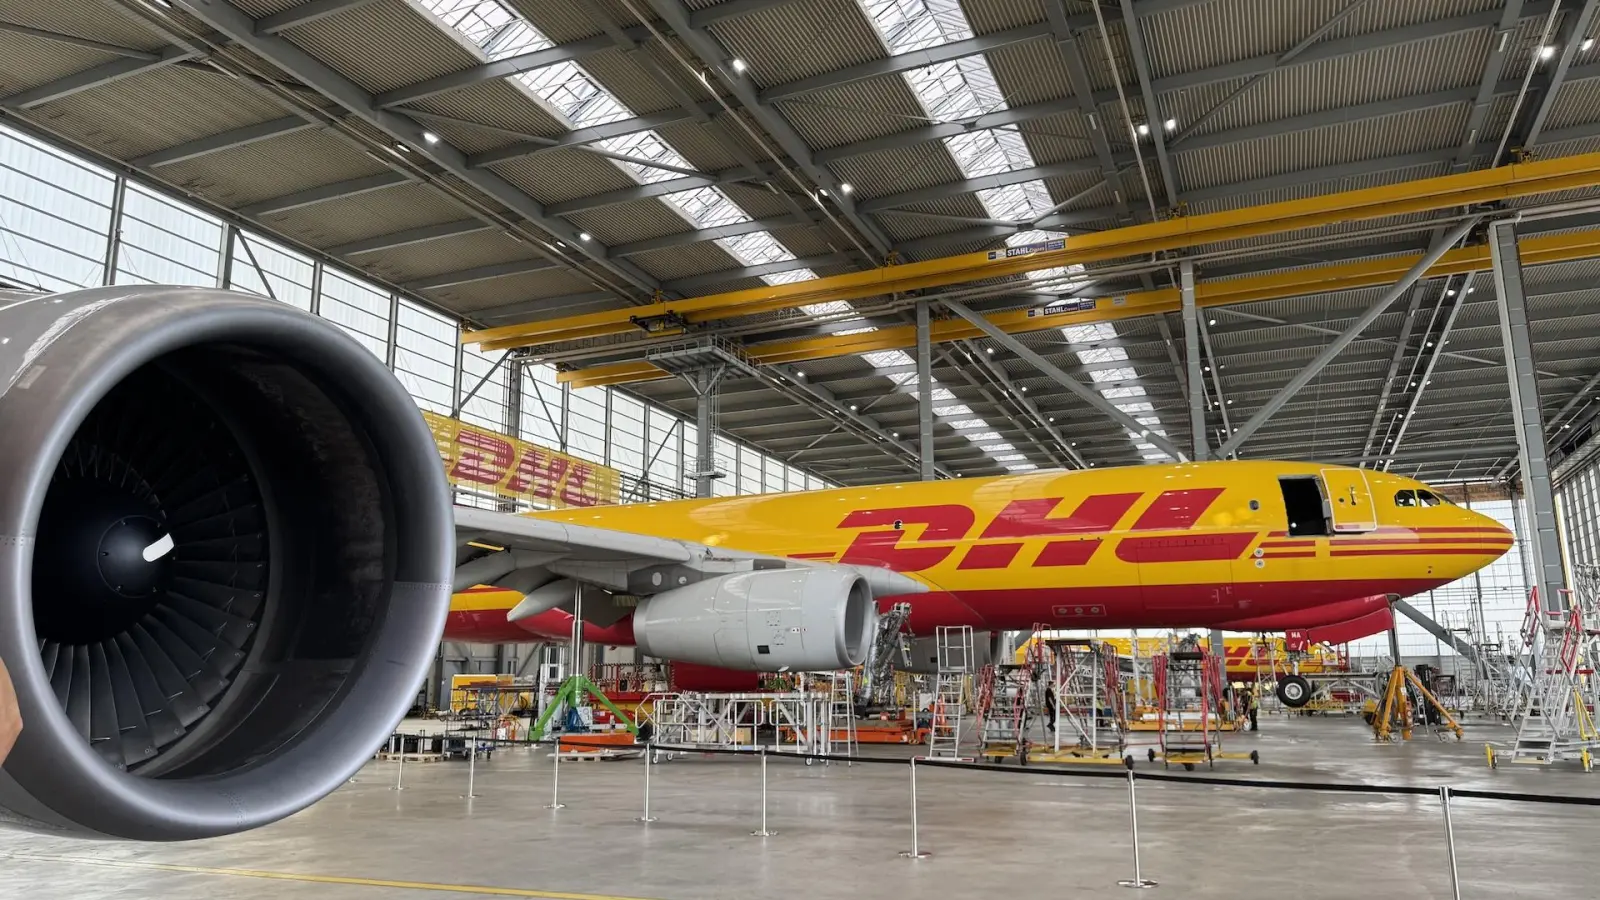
x: 1396, y: 711
x: 568, y: 697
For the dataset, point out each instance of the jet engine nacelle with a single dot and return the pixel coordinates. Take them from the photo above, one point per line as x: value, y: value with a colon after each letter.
x: 924, y: 653
x: 226, y: 547
x: 807, y: 619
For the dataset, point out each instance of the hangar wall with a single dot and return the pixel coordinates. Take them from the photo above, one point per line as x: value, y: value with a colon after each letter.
x: 59, y: 213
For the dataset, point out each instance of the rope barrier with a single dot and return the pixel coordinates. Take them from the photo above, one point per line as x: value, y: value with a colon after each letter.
x: 1037, y: 769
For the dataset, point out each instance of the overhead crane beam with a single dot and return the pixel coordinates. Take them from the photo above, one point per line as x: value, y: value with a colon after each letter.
x: 1274, y: 286
x: 1464, y: 189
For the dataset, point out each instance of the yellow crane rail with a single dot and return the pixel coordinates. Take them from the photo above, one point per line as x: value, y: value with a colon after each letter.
x: 1275, y: 286
x: 1463, y: 189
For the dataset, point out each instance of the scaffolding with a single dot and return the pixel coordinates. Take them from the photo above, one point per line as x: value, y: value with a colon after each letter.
x: 1188, y: 681
x: 1086, y: 707
x: 1555, y: 721
x: 952, y: 684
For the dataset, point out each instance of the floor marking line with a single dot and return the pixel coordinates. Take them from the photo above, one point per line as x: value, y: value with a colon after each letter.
x: 482, y: 890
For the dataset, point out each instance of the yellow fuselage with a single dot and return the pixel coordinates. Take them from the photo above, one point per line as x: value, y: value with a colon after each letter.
x: 1190, y: 544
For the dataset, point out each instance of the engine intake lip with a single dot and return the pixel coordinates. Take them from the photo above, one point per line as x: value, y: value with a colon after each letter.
x: 78, y: 347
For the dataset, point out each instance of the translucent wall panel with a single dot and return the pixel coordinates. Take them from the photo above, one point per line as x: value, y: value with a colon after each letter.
x: 749, y: 470
x: 727, y: 457
x: 627, y: 435
x: 663, y: 451
x: 487, y: 408
x: 425, y: 356
x: 586, y: 423
x: 287, y: 273
x: 359, y: 309
x: 773, y: 477
x: 541, y: 406
x: 55, y: 213
x: 166, y: 243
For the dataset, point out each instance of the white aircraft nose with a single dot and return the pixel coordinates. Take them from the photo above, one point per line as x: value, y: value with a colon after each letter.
x: 162, y: 546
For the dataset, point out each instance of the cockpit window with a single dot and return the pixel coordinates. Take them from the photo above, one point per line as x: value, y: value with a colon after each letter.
x: 1428, y: 498
x: 1405, y: 498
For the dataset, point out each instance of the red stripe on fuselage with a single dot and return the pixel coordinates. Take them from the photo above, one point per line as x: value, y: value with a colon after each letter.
x: 1177, y: 509
x: 1420, y: 551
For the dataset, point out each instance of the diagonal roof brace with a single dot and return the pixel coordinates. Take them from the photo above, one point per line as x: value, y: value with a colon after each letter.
x: 1345, y: 338
x: 1087, y: 394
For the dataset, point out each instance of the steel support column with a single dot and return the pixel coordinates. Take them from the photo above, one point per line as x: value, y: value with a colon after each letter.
x: 705, y: 384
x: 1191, y: 348
x: 1087, y: 394
x: 925, y: 391
x: 1542, y: 538
x: 1345, y: 338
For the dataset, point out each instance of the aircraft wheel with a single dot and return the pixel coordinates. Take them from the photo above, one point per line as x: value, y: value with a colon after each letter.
x: 1294, y: 691
x: 1152, y: 753
x: 1188, y: 767
x: 1255, y: 757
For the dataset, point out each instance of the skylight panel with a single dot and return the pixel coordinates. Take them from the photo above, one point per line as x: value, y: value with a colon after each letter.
x: 883, y: 359
x: 1131, y: 408
x: 940, y: 394
x: 793, y: 275
x: 707, y: 207
x: 1157, y: 456
x: 756, y: 248
x: 987, y: 152
x: 647, y: 145
x: 908, y: 25
x: 996, y: 448
x: 968, y: 423
x: 1120, y: 392
x: 958, y: 409
x: 1021, y: 467
x: 1120, y: 373
x: 1009, y: 457
x: 959, y: 89
x: 1018, y: 203
x: 575, y: 95
x: 1102, y: 355
x: 1088, y: 334
x: 983, y: 436
x: 489, y: 25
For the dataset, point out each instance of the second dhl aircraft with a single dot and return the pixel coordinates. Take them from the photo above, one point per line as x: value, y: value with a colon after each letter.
x: 1239, y: 545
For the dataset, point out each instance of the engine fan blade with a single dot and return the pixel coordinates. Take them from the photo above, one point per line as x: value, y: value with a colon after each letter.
x: 137, y: 742
x: 206, y: 681
x: 182, y: 697
x: 78, y: 692
x: 105, y: 732
x: 158, y: 709
x: 230, y: 628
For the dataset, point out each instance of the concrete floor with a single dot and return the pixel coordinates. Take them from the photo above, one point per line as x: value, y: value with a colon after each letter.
x: 840, y: 830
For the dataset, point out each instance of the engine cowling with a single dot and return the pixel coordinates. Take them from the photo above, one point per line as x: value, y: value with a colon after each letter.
x: 809, y: 619
x: 226, y: 545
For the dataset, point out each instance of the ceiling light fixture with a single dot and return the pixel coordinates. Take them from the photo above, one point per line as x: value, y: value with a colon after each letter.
x: 739, y: 65
x: 583, y: 235
x: 430, y: 137
x: 846, y: 187
x: 1171, y: 124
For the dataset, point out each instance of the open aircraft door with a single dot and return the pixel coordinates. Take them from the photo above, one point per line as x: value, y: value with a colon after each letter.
x: 1350, y: 505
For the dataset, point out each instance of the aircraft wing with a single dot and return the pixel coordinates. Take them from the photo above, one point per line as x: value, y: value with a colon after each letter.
x: 526, y: 554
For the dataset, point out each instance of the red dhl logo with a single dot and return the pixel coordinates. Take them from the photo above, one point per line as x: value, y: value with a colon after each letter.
x: 516, y: 468
x: 1081, y: 531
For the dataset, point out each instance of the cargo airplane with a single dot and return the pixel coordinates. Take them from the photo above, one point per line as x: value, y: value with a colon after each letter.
x: 793, y: 581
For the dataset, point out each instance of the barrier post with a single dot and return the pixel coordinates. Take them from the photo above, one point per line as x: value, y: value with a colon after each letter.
x: 1138, y: 880
x: 400, y: 770
x: 555, y: 778
x: 649, y: 762
x: 916, y: 850
x: 763, y: 832
x: 472, y: 766
x: 1450, y: 842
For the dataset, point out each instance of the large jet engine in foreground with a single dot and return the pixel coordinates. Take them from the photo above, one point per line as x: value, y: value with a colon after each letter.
x: 226, y: 547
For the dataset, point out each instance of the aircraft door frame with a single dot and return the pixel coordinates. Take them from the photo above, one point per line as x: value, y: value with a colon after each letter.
x: 1348, y: 493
